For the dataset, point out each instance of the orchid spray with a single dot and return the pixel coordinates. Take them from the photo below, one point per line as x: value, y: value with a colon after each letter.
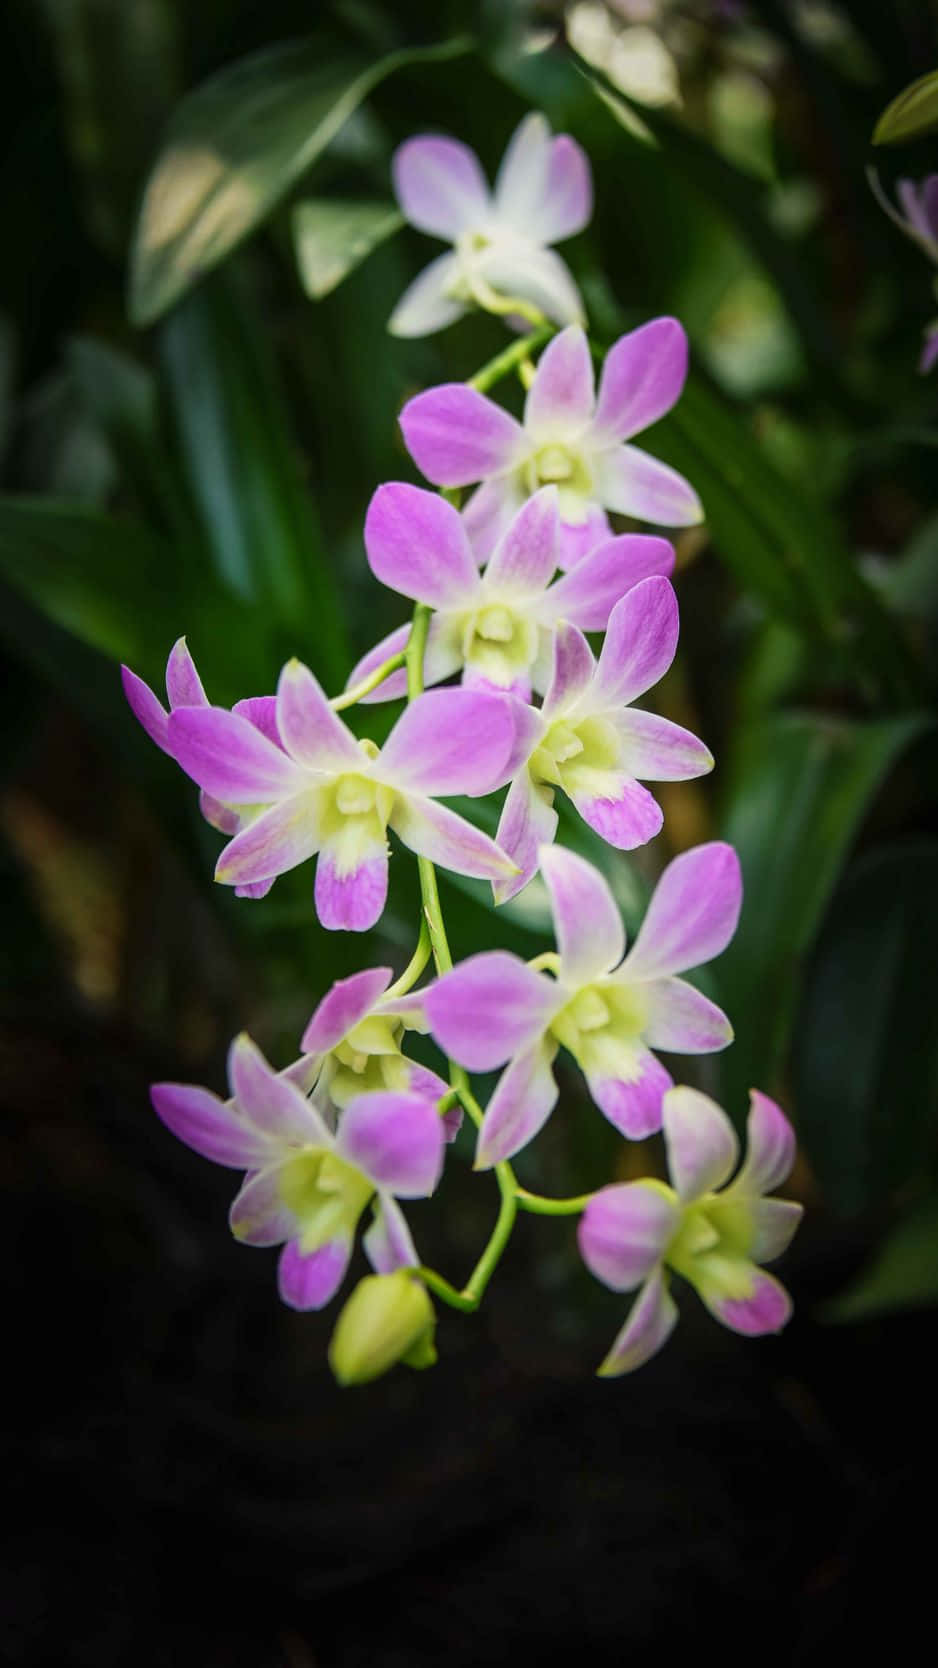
x: 504, y: 587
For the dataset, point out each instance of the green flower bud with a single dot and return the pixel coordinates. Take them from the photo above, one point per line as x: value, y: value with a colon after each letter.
x: 388, y: 1318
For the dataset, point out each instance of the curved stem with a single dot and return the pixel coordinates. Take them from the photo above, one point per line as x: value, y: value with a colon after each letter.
x: 538, y: 1205
x: 349, y: 696
x: 509, y: 359
x: 503, y: 305
x: 415, y: 966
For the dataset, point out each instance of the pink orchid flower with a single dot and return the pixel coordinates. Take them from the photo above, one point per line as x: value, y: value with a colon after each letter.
x: 631, y: 1235
x: 322, y: 791
x: 591, y: 743
x: 493, y: 1010
x: 569, y: 437
x: 497, y: 627
x: 306, y: 1187
x: 500, y: 239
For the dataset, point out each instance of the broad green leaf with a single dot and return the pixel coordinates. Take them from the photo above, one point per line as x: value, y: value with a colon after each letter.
x: 243, y: 469
x: 913, y: 112
x: 800, y: 788
x: 865, y: 1045
x: 234, y: 148
x: 903, y: 1274
x: 332, y: 237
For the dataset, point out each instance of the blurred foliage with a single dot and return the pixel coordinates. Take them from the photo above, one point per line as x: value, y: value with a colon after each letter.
x: 209, y: 475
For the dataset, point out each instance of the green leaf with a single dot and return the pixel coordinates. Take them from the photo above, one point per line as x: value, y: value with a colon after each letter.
x: 913, y: 112
x: 866, y: 1047
x: 242, y: 464
x: 902, y: 1275
x: 234, y: 148
x: 333, y: 237
x: 800, y: 789
x: 120, y: 397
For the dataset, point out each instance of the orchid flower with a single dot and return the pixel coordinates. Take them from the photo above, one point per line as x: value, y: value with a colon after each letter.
x: 631, y: 1235
x: 919, y: 220
x: 184, y: 689
x: 321, y: 790
x: 494, y: 1010
x: 500, y: 239
x: 306, y: 1187
x: 496, y: 627
x: 457, y: 436
x: 588, y: 740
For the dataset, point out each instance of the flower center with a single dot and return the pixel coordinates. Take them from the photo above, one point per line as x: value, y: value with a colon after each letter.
x: 713, y: 1243
x: 570, y: 752
x: 600, y: 1016
x: 563, y: 466
x: 324, y: 1194
x: 499, y: 644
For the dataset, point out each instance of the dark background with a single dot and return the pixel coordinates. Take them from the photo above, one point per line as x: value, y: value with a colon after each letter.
x: 185, y: 1484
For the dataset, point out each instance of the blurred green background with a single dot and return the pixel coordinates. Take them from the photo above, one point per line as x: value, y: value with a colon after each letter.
x: 189, y: 435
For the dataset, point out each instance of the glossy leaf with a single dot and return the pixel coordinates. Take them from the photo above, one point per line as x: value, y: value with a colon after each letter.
x: 801, y: 786
x: 913, y: 112
x: 234, y: 148
x: 866, y: 1047
x: 332, y: 237
x: 903, y: 1274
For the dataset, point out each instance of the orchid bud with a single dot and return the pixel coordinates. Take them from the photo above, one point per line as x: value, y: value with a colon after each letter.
x: 388, y: 1318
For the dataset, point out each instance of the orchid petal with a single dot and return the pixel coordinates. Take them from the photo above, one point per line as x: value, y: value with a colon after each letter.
x: 578, y: 538
x: 343, y: 1006
x: 440, y: 186
x: 632, y: 482
x: 395, y: 1140
x: 528, y: 821
x: 573, y: 670
x: 258, y: 1215
x: 489, y: 513
x: 643, y: 375
x: 525, y: 558
x: 543, y: 187
x: 183, y: 684
x: 774, y: 1223
x: 278, y: 840
x: 655, y: 750
x: 417, y: 545
x: 210, y: 1126
x: 261, y: 711
x: 538, y: 275
x: 701, y: 1142
x: 624, y: 1232
x: 428, y: 303
x: 229, y: 757
x: 629, y: 1089
x: 559, y: 402
x: 147, y: 709
x: 271, y: 1101
x: 683, y: 1021
x: 770, y: 1150
x: 351, y: 880
x: 434, y: 831
x: 766, y: 1307
x: 456, y: 435
x: 651, y: 1321
x: 312, y: 733
x: 218, y: 815
x: 441, y: 658
x: 449, y: 741
x: 387, y: 1243
x: 617, y: 807
x: 587, y: 924
x: 641, y: 640
x: 589, y: 592
x: 692, y: 914
x: 524, y: 1097
x: 489, y: 1008
x: 309, y: 1279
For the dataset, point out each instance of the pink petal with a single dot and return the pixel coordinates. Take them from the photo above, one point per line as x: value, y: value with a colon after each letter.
x: 682, y: 1021
x: 396, y: 1140
x: 440, y: 660
x: 148, y: 711
x: 573, y: 669
x: 261, y: 711
x: 651, y: 1321
x: 308, y: 1280
x: 276, y: 841
x: 217, y: 815
x: 387, y: 1243
x: 624, y: 1232
x: 211, y: 1126
x: 434, y: 831
x: 528, y: 821
x: 618, y: 808
x: 258, y: 1215
x: 543, y: 188
x: 343, y: 1006
x: 427, y: 304
x: 417, y: 545
x: 254, y: 888
x: 692, y: 914
x: 578, y: 538
x: 559, y: 403
x: 643, y: 375
x: 774, y: 1224
x: 632, y: 1104
x: 587, y: 924
x: 456, y: 435
x: 449, y: 741
x: 524, y: 1097
x: 770, y: 1146
x: 440, y: 186
x: 767, y: 1308
x: 489, y: 513
x: 229, y: 758
x: 536, y: 275
x: 525, y: 558
x: 488, y: 1008
x: 632, y: 482
x: 183, y: 684
x: 588, y: 594
x: 311, y: 732
x: 351, y: 896
x: 641, y: 640
x: 701, y: 1142
x: 270, y: 1100
x: 655, y: 750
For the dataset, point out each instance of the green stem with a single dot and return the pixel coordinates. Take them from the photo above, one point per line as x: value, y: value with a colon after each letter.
x: 349, y: 696
x: 509, y: 359
x: 456, y: 1300
x: 503, y: 305
x: 415, y: 966
x: 538, y: 1205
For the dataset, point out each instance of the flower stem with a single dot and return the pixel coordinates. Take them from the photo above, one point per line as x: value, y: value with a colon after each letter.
x: 509, y: 359
x: 538, y: 1205
x: 503, y: 305
x: 415, y: 966
x: 349, y: 696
